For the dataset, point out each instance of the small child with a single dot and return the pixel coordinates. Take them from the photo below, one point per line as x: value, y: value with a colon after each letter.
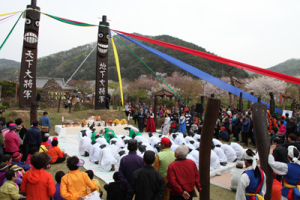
x: 9, y: 190
x: 91, y: 175
x: 58, y: 177
x: 32, y: 150
x: 44, y: 146
x: 16, y: 160
x: 113, y: 188
x: 8, y: 159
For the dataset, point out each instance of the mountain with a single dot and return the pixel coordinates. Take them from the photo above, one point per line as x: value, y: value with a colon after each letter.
x: 9, y: 69
x: 63, y: 64
x: 289, y: 67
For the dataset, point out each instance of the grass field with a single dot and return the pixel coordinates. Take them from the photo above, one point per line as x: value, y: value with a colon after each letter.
x: 216, y: 193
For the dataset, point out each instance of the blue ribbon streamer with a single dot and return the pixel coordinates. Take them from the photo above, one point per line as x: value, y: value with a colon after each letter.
x: 200, y: 74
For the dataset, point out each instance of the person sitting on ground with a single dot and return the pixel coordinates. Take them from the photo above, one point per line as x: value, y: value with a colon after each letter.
x: 113, y: 188
x: 49, y: 140
x: 16, y: 160
x: 33, y: 150
x: 55, y: 138
x: 236, y: 175
x: 221, y: 155
x: 58, y: 177
x: 44, y: 146
x: 7, y: 159
x: 74, y: 184
x: 3, y: 169
x: 38, y: 183
x: 19, y: 172
x: 223, y: 134
x: 56, y: 154
x: 9, y: 190
x: 90, y: 173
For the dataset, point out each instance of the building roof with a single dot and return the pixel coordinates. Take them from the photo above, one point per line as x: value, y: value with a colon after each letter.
x: 164, y: 92
x: 40, y: 82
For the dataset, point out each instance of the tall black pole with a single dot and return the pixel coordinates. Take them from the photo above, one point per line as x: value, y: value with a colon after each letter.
x: 29, y: 56
x: 102, y: 64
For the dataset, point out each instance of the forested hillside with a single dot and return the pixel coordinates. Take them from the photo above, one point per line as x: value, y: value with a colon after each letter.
x: 289, y: 67
x: 63, y: 64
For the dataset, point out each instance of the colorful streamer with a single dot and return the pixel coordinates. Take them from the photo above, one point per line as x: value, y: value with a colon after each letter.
x: 1, y: 20
x: 118, y: 69
x: 10, y: 13
x: 152, y: 71
x: 10, y: 31
x: 71, y: 22
x: 226, y: 61
x: 200, y: 74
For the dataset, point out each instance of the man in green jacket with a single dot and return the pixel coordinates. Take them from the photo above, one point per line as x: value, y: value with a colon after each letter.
x: 162, y: 162
x: 9, y: 189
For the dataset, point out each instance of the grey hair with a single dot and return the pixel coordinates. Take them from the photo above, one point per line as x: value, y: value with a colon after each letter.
x: 182, y: 151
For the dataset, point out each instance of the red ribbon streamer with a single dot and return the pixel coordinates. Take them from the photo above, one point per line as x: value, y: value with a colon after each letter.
x: 226, y: 61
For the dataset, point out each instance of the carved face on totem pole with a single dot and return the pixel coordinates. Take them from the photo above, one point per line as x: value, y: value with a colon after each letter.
x: 103, y: 37
x: 32, y: 23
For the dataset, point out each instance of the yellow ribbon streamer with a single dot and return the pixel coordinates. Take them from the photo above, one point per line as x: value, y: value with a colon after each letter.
x: 118, y: 69
x: 10, y: 13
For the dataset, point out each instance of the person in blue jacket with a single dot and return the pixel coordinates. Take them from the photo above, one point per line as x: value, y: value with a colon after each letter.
x: 224, y: 134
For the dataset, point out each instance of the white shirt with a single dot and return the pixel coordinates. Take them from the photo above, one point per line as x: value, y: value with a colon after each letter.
x: 101, y: 141
x: 195, y: 154
x: 244, y: 182
x: 154, y: 140
x: 190, y: 146
x: 179, y: 140
x: 188, y: 139
x: 189, y: 156
x: 229, y: 152
x: 94, y: 152
x: 235, y: 177
x: 197, y: 137
x: 278, y: 167
x: 238, y: 149
x: 214, y: 160
x: 220, y: 153
x: 106, y: 159
x: 216, y: 142
x: 197, y: 145
x: 174, y: 147
x: 84, y: 145
x: 167, y: 124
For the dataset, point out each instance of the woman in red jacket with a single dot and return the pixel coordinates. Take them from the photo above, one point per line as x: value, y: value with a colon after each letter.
x: 12, y: 141
x: 38, y: 183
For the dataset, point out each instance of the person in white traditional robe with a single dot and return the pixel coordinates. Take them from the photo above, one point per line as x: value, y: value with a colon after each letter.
x: 107, y: 161
x: 197, y: 145
x: 174, y: 146
x: 100, y: 141
x: 189, y: 156
x: 250, y: 180
x: 94, y: 153
x: 229, y: 152
x: 179, y: 140
x: 167, y: 125
x: 236, y: 175
x: 221, y: 155
x: 84, y: 145
x: 118, y: 142
x: 216, y: 142
x: 188, y: 139
x: 83, y: 131
x: 153, y: 140
x: 190, y: 146
x: 195, y: 154
x: 214, y: 161
x: 238, y: 149
x: 197, y: 137
x: 140, y: 138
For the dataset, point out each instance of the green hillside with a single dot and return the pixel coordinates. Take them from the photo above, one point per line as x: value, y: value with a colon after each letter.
x: 289, y: 67
x: 63, y: 64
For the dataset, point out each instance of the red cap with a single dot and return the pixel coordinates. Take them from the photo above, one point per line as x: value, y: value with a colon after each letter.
x: 282, y: 117
x: 223, y: 128
x: 166, y: 141
x: 17, y: 156
x: 54, y: 138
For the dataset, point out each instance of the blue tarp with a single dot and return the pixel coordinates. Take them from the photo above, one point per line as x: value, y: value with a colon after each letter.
x: 200, y: 74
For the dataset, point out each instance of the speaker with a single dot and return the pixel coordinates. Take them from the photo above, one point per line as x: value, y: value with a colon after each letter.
x: 199, y: 108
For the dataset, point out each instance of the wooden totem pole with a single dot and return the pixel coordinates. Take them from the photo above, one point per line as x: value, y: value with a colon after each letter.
x: 29, y: 56
x: 102, y: 64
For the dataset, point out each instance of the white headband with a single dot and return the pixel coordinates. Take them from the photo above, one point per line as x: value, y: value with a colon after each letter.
x: 292, y: 156
x: 254, y: 158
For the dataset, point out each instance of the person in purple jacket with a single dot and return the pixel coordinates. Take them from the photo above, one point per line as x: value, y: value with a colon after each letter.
x: 128, y: 165
x: 58, y: 177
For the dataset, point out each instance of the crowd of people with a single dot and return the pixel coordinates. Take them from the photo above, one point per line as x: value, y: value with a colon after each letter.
x: 163, y: 166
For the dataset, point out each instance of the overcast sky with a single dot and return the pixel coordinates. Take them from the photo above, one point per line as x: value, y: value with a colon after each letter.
x: 261, y: 33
